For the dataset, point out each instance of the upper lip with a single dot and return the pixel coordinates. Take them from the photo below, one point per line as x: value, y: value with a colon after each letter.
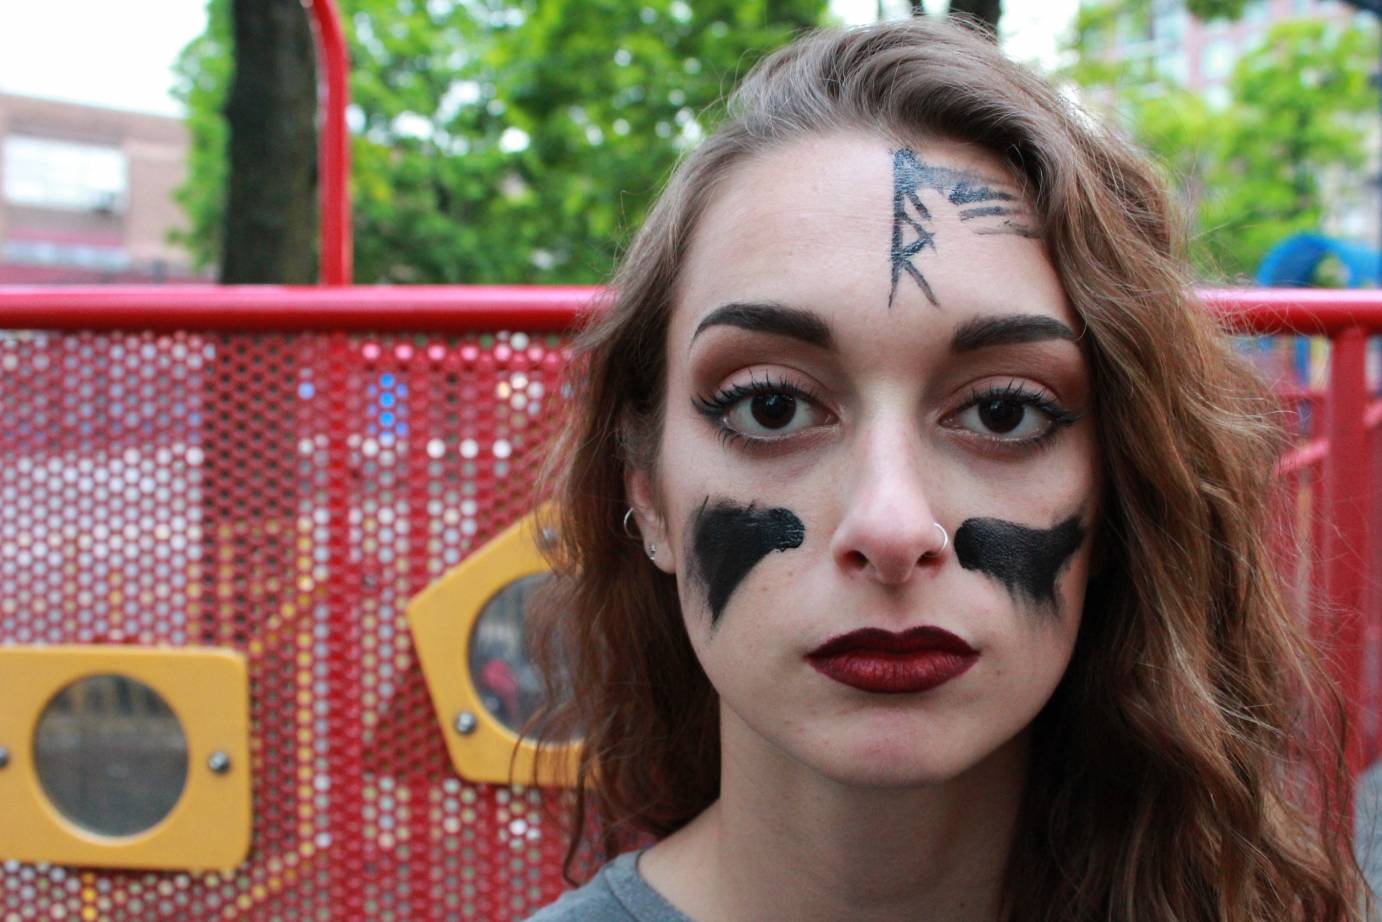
x: 876, y: 640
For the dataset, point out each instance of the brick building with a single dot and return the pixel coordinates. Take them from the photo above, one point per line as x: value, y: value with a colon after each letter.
x: 86, y: 193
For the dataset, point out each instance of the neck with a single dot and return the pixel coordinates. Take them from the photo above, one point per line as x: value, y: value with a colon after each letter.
x: 783, y: 842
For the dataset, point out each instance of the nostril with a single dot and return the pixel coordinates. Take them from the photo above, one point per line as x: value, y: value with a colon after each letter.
x: 856, y: 560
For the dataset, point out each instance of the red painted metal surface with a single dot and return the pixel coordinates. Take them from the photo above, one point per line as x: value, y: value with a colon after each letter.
x: 1312, y: 311
x: 1343, y: 544
x: 333, y: 66
x: 280, y: 470
x: 264, y: 308
x: 285, y: 494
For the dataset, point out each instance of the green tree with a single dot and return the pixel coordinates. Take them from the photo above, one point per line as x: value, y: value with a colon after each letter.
x: 507, y: 142
x: 1297, y: 127
x: 1261, y: 167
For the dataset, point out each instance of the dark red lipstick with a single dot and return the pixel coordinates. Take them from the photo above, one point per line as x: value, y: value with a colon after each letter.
x: 875, y: 660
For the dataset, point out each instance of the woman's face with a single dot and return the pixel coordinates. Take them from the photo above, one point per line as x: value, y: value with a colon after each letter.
x: 878, y: 474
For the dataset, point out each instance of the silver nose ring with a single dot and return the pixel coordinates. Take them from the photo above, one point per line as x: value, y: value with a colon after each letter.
x: 945, y: 539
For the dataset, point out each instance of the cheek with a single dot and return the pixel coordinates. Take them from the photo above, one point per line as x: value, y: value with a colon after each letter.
x: 728, y: 539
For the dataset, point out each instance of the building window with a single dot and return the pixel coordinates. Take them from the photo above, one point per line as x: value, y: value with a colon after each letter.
x: 1171, y: 65
x: 46, y: 173
x: 100, y: 256
x: 1168, y: 24
x: 1216, y: 59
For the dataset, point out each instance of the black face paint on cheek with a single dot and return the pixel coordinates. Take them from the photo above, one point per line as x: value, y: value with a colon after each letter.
x: 1025, y: 560
x: 730, y: 539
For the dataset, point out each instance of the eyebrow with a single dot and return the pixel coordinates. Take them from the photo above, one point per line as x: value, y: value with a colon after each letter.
x: 1007, y: 330
x: 769, y: 317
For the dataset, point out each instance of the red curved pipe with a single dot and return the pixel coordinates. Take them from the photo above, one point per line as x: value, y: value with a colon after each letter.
x: 333, y: 157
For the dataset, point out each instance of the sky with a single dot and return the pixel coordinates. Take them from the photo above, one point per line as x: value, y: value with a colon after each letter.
x: 119, y: 53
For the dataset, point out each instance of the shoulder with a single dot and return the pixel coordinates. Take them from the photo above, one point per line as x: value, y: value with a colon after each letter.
x: 617, y: 893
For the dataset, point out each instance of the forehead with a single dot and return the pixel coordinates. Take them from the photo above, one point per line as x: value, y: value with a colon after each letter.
x: 819, y: 223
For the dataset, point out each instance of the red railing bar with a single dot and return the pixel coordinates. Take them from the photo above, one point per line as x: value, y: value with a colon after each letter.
x: 1343, y: 544
x: 1297, y: 459
x: 1372, y: 416
x: 411, y: 307
x: 333, y: 156
x: 263, y: 308
x: 1310, y: 311
x: 1314, y: 451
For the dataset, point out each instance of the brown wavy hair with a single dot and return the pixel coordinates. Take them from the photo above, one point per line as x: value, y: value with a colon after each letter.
x: 1170, y: 780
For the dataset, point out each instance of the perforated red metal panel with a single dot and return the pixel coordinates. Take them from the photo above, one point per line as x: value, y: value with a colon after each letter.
x: 287, y: 493
x: 283, y: 494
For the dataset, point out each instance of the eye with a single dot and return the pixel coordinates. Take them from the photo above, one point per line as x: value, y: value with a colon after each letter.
x: 772, y: 415
x: 1006, y: 417
x: 1012, y: 414
x: 763, y: 411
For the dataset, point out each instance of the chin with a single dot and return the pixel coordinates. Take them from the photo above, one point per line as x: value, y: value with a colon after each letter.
x: 896, y: 762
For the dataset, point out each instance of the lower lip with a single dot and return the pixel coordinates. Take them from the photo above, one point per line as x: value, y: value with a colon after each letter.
x: 894, y: 673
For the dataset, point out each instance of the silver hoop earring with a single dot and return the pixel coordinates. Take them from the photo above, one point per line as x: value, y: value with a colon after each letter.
x: 652, y: 551
x: 945, y: 539
x: 629, y: 515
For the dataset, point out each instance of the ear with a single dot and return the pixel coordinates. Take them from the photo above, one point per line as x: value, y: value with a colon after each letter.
x: 651, y: 528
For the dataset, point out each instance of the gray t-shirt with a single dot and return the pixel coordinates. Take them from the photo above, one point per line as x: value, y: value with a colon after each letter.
x: 617, y: 894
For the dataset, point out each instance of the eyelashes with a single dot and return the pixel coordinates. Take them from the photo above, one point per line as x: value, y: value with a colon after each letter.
x: 765, y: 413
x: 992, y: 408
x: 764, y: 404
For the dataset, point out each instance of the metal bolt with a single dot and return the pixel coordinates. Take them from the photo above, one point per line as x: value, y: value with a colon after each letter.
x: 4, y: 757
x: 218, y: 762
x: 466, y: 723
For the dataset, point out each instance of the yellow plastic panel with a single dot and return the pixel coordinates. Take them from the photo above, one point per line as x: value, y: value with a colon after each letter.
x: 442, y: 619
x: 208, y: 825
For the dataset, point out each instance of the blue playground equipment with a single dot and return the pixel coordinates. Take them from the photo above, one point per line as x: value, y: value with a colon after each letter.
x: 1292, y: 264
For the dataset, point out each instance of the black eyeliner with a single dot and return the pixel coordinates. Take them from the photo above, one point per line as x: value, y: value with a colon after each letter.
x: 1060, y: 417
x: 716, y: 406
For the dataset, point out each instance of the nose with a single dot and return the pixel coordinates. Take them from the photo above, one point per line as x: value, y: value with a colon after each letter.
x: 889, y: 529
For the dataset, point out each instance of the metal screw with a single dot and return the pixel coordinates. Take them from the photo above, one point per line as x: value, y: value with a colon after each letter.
x: 466, y: 723
x: 4, y: 757
x: 218, y: 762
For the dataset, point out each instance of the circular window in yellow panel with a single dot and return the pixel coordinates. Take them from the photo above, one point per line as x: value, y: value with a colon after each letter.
x: 110, y: 755
x: 470, y: 630
x: 123, y: 757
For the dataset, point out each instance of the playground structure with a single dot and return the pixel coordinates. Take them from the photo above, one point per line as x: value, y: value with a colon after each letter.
x: 275, y: 475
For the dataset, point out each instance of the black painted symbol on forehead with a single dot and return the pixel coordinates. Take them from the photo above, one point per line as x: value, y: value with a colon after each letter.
x: 1025, y: 560
x: 730, y: 539
x: 994, y: 209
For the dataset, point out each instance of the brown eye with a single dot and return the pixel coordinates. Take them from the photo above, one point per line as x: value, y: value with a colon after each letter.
x: 1007, y: 417
x: 773, y: 411
x: 1001, y: 416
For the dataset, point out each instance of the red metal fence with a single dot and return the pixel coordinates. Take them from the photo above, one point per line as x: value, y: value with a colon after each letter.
x: 284, y: 490
x: 279, y: 471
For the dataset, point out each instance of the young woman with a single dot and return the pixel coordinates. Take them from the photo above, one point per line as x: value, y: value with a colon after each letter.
x: 912, y: 513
